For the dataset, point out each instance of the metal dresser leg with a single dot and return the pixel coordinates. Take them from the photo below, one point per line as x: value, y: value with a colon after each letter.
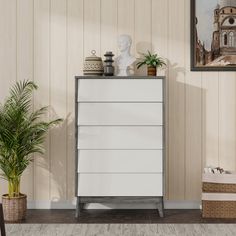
x: 79, y: 207
x: 77, y: 210
x: 160, y: 207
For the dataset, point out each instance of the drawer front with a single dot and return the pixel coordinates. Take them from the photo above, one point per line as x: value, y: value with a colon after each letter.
x: 120, y: 113
x: 120, y: 161
x: 120, y: 90
x: 120, y: 185
x: 120, y: 137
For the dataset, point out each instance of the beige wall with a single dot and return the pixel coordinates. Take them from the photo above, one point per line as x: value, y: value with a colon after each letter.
x: 46, y: 41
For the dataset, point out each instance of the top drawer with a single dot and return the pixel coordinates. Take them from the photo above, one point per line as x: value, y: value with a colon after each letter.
x: 120, y: 90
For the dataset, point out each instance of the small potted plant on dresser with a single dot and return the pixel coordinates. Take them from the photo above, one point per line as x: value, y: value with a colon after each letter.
x: 21, y: 135
x: 152, y: 61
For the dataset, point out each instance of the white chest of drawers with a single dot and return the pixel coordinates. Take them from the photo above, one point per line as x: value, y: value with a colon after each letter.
x: 120, y: 140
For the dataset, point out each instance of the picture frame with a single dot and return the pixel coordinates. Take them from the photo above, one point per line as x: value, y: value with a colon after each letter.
x: 213, y: 42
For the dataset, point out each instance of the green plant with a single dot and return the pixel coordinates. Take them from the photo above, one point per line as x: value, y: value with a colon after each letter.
x: 151, y: 60
x: 21, y: 134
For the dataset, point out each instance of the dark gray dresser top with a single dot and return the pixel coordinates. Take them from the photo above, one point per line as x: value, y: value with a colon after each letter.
x: 120, y: 77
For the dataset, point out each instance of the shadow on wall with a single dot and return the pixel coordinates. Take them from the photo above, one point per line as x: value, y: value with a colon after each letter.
x: 185, y: 133
x: 60, y: 170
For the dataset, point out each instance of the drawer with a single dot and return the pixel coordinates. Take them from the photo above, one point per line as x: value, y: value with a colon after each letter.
x: 120, y: 113
x: 120, y: 161
x: 120, y: 185
x: 116, y: 137
x: 120, y: 90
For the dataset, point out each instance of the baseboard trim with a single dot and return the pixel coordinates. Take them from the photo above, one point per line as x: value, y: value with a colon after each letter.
x: 71, y: 205
x: 182, y: 204
x: 50, y: 205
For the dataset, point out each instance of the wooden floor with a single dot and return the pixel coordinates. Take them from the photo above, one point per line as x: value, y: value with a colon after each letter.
x: 118, y: 217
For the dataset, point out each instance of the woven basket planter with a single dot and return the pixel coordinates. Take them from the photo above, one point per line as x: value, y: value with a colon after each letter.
x: 219, y: 209
x: 219, y: 196
x: 14, y: 209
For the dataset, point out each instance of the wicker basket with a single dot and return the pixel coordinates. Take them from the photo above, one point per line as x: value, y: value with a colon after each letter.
x: 219, y: 196
x: 14, y: 209
x: 218, y: 188
x: 219, y: 209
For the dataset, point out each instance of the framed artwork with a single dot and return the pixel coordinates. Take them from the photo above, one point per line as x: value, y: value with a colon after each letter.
x: 213, y: 35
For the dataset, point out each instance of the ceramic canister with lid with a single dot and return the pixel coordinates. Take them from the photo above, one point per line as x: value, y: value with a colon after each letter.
x: 93, y: 65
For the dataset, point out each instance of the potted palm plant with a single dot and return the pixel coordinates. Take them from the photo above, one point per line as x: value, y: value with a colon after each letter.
x: 152, y: 61
x: 21, y: 135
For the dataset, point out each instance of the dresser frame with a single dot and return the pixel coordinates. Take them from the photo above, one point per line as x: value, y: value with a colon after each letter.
x: 81, y: 201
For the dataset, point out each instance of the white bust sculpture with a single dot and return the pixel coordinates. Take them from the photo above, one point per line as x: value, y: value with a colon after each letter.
x: 125, y: 60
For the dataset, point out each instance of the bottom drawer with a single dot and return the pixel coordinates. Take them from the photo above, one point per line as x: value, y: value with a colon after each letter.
x: 120, y: 185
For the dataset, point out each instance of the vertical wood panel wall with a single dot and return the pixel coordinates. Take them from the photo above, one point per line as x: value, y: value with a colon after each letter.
x: 46, y: 41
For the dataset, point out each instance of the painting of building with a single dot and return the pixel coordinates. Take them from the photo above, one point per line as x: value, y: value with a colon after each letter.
x: 215, y: 39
